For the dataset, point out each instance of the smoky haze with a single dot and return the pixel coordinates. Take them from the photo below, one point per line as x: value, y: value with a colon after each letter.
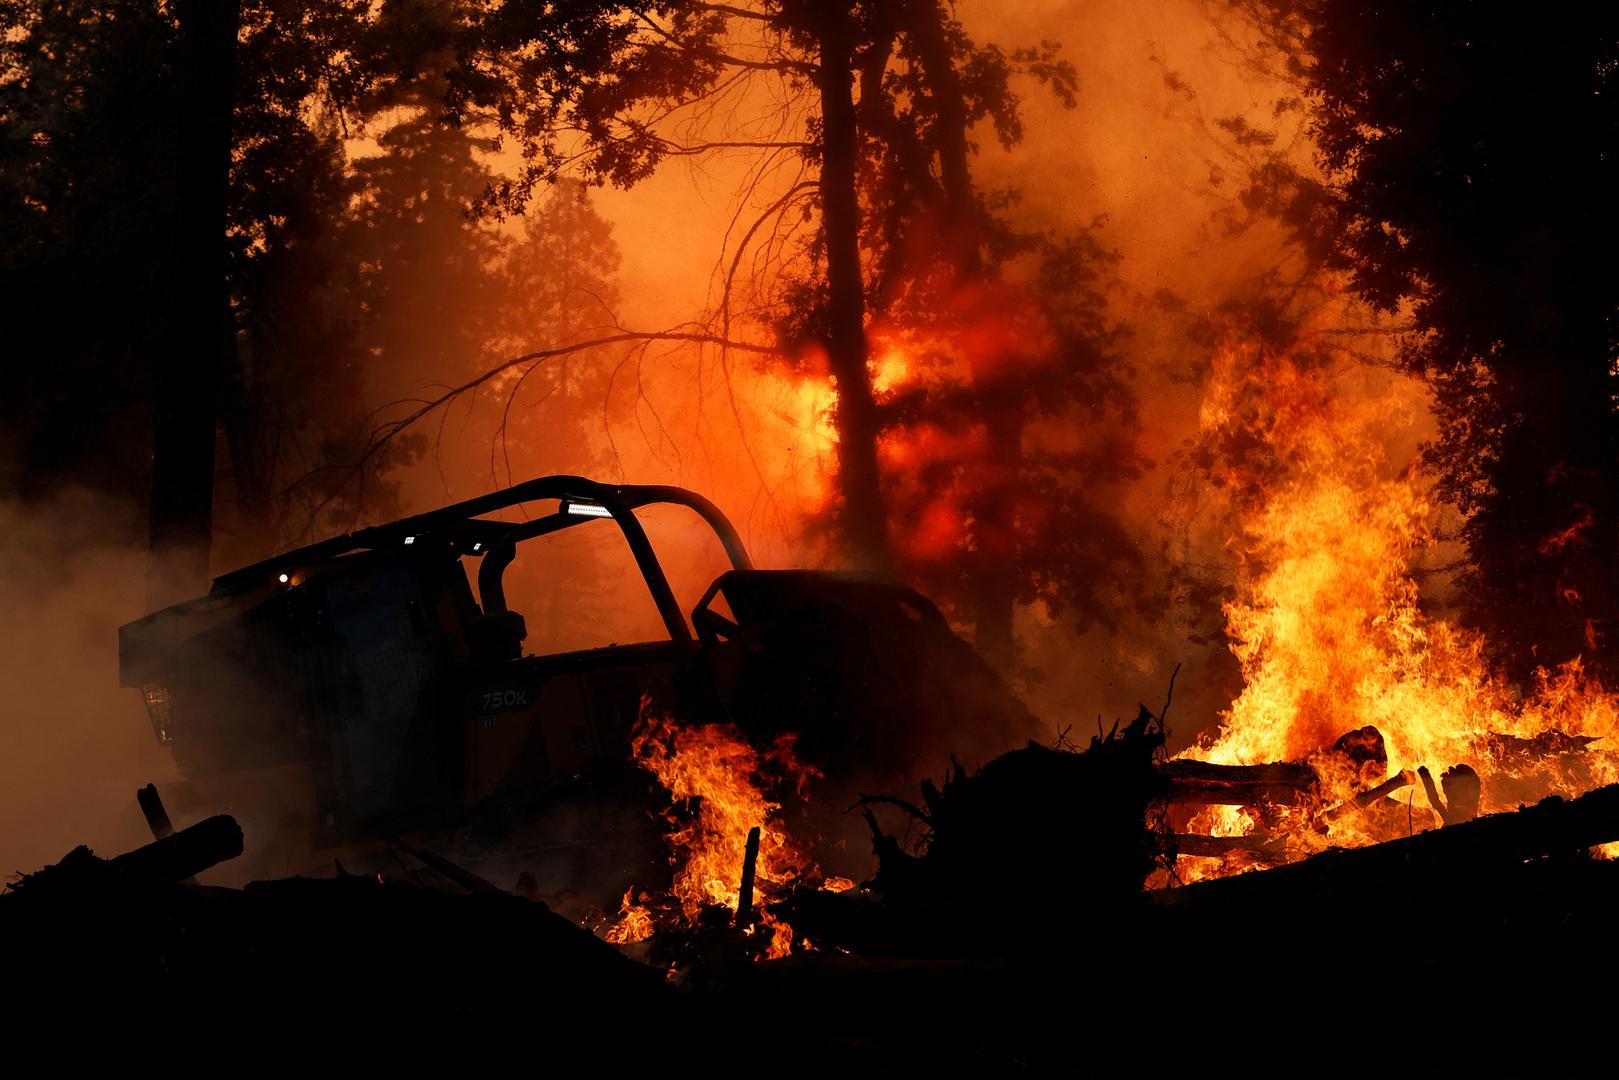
x: 76, y: 746
x: 1142, y: 159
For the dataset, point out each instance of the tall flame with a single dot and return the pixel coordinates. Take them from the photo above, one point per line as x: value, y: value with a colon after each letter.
x: 1329, y: 630
x: 712, y: 768
x: 718, y: 784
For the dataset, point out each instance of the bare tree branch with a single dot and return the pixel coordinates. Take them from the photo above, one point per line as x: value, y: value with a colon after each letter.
x: 385, y: 432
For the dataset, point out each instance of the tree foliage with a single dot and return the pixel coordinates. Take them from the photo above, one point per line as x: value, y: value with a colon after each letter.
x: 939, y: 260
x: 89, y: 100
x: 355, y: 268
x: 1469, y: 157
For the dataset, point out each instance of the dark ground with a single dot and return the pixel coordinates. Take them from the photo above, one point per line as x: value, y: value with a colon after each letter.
x: 1001, y: 950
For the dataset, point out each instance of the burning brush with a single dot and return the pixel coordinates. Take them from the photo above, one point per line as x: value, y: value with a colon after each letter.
x: 1349, y: 685
x: 732, y: 854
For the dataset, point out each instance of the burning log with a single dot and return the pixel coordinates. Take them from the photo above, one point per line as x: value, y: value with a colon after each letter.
x: 1402, y: 779
x: 1060, y: 824
x: 157, y: 818
x: 1510, y: 750
x: 1237, y: 785
x: 1318, y: 785
x: 1479, y: 848
x: 1264, y: 851
x: 1463, y: 787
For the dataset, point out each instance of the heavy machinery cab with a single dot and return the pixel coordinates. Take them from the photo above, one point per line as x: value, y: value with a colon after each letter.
x: 370, y: 659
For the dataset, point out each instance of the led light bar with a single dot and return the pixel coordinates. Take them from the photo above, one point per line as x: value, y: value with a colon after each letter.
x: 578, y: 509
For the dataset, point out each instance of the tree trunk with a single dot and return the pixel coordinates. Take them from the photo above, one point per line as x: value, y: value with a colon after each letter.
x: 993, y: 581
x: 962, y: 233
x: 993, y: 562
x: 247, y: 434
x: 861, y: 517
x: 188, y: 375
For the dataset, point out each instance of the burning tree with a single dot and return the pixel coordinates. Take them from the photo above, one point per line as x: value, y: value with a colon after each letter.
x: 1348, y: 675
x: 872, y: 251
x: 1467, y: 164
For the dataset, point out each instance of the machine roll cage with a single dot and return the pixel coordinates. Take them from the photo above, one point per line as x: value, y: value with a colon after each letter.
x: 460, y: 528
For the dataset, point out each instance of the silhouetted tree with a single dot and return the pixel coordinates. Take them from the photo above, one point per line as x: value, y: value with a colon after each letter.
x: 161, y: 163
x: 592, y: 88
x: 1470, y: 156
x: 1025, y: 354
x: 559, y: 282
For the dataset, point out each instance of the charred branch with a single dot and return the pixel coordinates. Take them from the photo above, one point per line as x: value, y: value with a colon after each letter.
x: 744, y: 895
x: 1267, y: 852
x: 1475, y: 850
x: 157, y: 818
x: 1403, y: 779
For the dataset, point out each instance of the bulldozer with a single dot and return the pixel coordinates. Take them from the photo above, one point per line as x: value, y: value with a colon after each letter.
x: 369, y: 666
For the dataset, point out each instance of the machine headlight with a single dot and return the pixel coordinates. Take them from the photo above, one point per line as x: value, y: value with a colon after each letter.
x: 159, y: 709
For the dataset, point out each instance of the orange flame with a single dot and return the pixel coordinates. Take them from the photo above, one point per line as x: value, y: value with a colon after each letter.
x: 1330, y: 633
x: 634, y: 922
x: 716, y: 774
x: 781, y: 936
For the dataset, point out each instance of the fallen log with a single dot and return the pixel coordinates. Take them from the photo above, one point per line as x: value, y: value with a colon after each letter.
x: 1457, y: 853
x: 1237, y: 785
x: 457, y: 873
x: 1402, y: 779
x: 185, y: 853
x: 1266, y: 851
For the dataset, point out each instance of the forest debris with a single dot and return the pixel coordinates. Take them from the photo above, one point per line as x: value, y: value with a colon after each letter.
x: 463, y: 877
x: 1237, y: 785
x: 1035, y: 822
x: 91, y: 936
x: 1463, y: 787
x: 185, y: 853
x: 1485, y: 847
x: 1266, y: 851
x: 1400, y: 780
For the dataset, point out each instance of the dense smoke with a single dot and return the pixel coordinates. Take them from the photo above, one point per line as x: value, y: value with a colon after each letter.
x: 77, y: 746
x: 1151, y: 164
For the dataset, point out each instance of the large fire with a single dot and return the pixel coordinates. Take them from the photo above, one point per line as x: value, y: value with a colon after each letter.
x: 1331, y: 635
x: 718, y: 783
